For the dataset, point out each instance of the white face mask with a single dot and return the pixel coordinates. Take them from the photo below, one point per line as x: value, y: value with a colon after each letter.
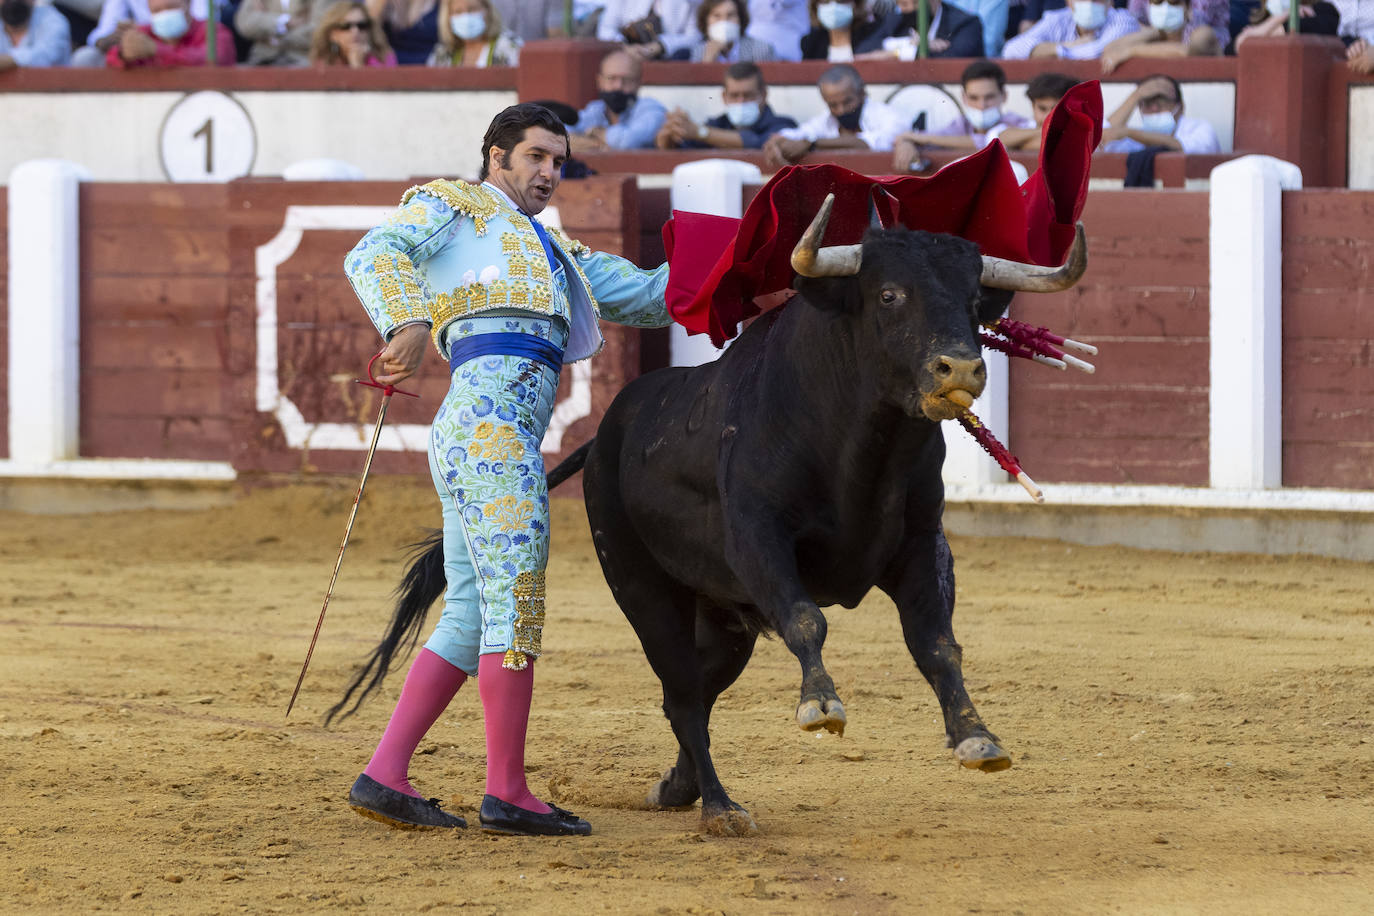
x: 984, y: 118
x: 834, y: 15
x: 468, y: 26
x: 1166, y: 17
x: 1089, y: 15
x: 742, y: 114
x: 1276, y: 7
x: 1158, y: 122
x: 169, y: 25
x: 723, y: 31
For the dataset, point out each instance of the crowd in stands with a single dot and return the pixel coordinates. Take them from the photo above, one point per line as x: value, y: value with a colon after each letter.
x: 125, y: 34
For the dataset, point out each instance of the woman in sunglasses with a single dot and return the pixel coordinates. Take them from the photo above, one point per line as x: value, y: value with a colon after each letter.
x: 348, y: 36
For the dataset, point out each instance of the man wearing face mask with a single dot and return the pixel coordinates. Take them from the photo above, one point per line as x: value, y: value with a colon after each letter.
x: 985, y: 117
x: 1162, y: 123
x: 747, y: 123
x: 171, y: 39
x: 1080, y: 31
x: 33, y: 36
x: 851, y: 121
x: 617, y: 118
x: 1173, y: 28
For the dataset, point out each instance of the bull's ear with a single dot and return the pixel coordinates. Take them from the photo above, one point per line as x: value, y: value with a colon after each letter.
x: 993, y: 303
x: 837, y: 294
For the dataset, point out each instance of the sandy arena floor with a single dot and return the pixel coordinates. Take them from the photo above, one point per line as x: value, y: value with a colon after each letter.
x: 1191, y: 733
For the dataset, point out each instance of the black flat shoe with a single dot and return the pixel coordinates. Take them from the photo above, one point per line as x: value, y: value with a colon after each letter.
x: 499, y: 816
x: 371, y: 799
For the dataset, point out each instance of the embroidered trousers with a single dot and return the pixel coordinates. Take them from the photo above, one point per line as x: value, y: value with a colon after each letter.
x: 487, y: 468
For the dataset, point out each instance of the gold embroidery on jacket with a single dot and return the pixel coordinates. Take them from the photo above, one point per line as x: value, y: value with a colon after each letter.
x: 399, y: 288
x: 468, y: 199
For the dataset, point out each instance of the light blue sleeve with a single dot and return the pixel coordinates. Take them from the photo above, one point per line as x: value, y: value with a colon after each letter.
x: 638, y: 130
x: 112, y: 13
x: 625, y: 293
x: 381, y: 267
x: 993, y: 14
x: 52, y: 40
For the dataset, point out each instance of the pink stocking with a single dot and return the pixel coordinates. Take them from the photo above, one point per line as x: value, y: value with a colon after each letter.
x: 506, y: 711
x: 429, y: 687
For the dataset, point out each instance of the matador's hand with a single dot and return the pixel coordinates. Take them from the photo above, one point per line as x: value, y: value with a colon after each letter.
x: 403, y: 353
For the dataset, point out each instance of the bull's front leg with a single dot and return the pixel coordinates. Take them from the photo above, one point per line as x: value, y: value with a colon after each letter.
x: 921, y: 584
x: 764, y: 558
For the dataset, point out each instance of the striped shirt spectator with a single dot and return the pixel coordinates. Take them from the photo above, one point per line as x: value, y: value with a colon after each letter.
x: 1057, y: 34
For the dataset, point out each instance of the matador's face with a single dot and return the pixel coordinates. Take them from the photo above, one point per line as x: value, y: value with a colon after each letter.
x: 530, y: 172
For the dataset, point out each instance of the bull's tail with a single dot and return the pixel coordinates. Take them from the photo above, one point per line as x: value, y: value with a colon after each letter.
x: 422, y: 584
x: 570, y: 465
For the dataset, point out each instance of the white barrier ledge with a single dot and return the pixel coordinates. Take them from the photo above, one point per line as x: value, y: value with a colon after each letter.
x: 151, y: 469
x: 1170, y: 497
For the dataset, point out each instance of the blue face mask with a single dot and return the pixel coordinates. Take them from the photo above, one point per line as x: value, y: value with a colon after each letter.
x: 468, y: 26
x: 169, y: 25
x: 1159, y: 122
x: 1166, y: 17
x: 742, y: 114
x: 834, y: 15
x: 984, y: 118
x: 1088, y: 14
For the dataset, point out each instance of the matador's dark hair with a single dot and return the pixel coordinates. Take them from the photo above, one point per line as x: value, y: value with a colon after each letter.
x: 508, y: 129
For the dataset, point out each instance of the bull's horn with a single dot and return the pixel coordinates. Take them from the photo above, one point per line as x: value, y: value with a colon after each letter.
x: 1030, y: 278
x: 811, y: 260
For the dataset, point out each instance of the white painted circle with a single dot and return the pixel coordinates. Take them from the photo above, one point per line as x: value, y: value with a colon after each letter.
x: 207, y: 136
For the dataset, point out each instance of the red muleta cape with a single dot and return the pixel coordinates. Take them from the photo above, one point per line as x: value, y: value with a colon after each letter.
x: 719, y: 265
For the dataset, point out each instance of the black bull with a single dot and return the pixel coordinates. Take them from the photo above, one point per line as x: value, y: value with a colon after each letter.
x: 801, y: 469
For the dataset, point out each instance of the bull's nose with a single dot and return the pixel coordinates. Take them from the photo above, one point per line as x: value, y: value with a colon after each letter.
x: 952, y: 372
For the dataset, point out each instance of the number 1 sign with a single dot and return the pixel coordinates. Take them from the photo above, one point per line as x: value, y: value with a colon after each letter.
x: 207, y: 136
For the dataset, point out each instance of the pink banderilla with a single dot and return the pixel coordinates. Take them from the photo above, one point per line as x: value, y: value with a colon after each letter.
x: 1005, y: 459
x: 1038, y: 344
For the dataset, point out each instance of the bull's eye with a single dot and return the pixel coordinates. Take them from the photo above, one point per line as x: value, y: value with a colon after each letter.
x: 888, y: 296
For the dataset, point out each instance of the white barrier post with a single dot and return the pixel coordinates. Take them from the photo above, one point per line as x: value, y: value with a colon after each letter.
x: 1246, y: 382
x: 966, y: 464
x: 713, y: 186
x: 44, y: 311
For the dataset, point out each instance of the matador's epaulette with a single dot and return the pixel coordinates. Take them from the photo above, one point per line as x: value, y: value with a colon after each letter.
x: 571, y: 245
x: 461, y: 197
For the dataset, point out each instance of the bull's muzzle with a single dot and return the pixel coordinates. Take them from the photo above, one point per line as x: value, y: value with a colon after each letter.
x: 958, y: 382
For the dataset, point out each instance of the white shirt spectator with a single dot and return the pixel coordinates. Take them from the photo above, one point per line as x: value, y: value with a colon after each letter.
x: 1193, y: 134
x: 1357, y: 18
x: 678, y: 18
x: 1058, y: 27
x: 879, y: 126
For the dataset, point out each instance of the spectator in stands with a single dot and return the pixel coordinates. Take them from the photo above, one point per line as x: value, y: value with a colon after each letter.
x: 82, y: 16
x: 531, y: 20
x: 1318, y: 18
x: 1044, y: 91
x: 993, y: 14
x: 748, y: 121
x: 1172, y: 28
x: 1159, y: 99
x: 951, y: 32
x: 1080, y: 33
x: 471, y: 34
x: 349, y: 36
x: 411, y: 27
x: 617, y: 118
x: 281, y: 32
x: 117, y: 17
x: 840, y: 30
x: 1360, y: 54
x: 649, y: 28
x: 33, y: 36
x: 171, y: 39
x: 985, y: 92
x: 852, y: 121
x: 722, y: 24
x: 1357, y: 20
x: 781, y: 23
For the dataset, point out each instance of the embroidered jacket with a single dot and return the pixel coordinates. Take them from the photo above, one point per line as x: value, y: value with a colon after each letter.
x: 452, y: 250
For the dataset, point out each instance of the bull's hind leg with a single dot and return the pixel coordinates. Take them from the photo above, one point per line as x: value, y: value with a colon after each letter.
x: 723, y: 647
x: 922, y: 585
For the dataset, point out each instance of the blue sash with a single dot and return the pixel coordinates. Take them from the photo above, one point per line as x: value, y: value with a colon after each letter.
x: 508, y: 344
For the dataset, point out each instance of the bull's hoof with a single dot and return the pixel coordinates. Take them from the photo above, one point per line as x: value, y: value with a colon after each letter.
x: 978, y: 753
x: 813, y: 716
x: 730, y: 822
x: 670, y: 793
